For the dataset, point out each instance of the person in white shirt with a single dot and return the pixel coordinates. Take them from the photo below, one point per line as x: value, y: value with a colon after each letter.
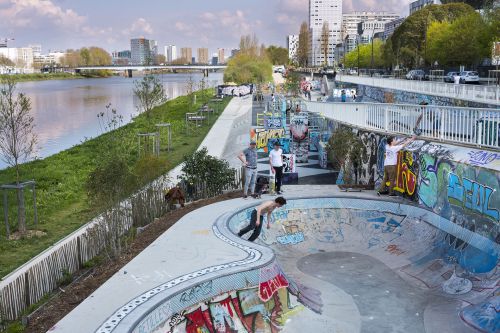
x: 390, y: 162
x: 276, y: 164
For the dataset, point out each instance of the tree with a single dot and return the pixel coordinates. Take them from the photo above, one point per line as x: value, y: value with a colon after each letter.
x: 304, y: 45
x: 250, y: 65
x: 408, y: 43
x: 17, y: 137
x: 150, y: 93
x: 278, y: 55
x: 161, y: 59
x: 365, y: 56
x: 85, y: 56
x: 4, y: 61
x: 92, y: 56
x: 325, y: 41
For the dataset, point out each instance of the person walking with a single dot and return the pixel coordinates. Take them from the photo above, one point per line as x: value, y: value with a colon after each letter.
x: 390, y: 162
x: 257, y: 217
x: 276, y: 164
x: 249, y: 159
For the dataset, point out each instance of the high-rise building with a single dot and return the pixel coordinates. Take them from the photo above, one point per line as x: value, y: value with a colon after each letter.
x: 352, y: 26
x: 186, y: 55
x: 220, y: 56
x: 215, y: 59
x: 143, y: 51
x: 203, y: 55
x: 293, y: 44
x: 419, y: 4
x: 170, y: 53
x: 22, y: 57
x: 321, y: 11
x: 390, y: 27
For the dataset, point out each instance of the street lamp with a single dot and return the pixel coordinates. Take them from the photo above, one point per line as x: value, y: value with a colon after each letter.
x: 372, y: 62
x: 358, y: 37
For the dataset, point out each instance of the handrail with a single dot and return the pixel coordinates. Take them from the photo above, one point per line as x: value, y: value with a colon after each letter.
x: 478, y: 127
x: 474, y: 93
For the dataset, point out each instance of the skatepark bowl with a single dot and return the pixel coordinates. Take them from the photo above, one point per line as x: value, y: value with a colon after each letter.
x: 342, y: 265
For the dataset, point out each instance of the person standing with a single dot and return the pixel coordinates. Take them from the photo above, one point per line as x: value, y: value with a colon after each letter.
x: 343, y: 96
x: 257, y: 217
x: 249, y: 159
x: 390, y: 162
x: 276, y: 164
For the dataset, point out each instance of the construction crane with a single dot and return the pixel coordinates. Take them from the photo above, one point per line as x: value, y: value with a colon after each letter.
x: 4, y: 41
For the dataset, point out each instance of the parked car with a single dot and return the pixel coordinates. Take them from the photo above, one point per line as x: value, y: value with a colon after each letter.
x: 450, y: 77
x: 416, y: 74
x: 469, y: 77
x: 353, y: 72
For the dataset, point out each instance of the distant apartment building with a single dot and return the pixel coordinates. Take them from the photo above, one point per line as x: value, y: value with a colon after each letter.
x: 122, y: 58
x: 234, y: 52
x: 215, y: 59
x: 22, y: 57
x: 293, y: 44
x: 321, y: 11
x: 419, y: 4
x: 352, y: 26
x: 203, y: 55
x: 390, y: 27
x: 186, y: 55
x: 170, y: 53
x: 37, y: 49
x: 221, y: 58
x: 143, y: 51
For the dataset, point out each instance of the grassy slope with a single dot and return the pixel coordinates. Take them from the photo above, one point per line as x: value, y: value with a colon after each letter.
x: 61, y: 197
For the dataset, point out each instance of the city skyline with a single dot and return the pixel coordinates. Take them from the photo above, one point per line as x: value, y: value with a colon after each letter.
x: 65, y: 24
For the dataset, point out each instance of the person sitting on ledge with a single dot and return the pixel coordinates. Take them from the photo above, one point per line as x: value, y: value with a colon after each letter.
x: 258, y: 215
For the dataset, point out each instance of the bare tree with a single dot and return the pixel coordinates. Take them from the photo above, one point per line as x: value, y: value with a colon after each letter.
x: 304, y: 45
x: 325, y: 41
x: 17, y: 137
x: 150, y: 93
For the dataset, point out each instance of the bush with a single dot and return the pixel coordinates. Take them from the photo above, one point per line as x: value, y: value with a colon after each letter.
x: 347, y: 150
x: 211, y: 173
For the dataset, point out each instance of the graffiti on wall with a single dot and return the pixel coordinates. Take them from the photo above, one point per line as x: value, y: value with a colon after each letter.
x: 261, y: 136
x: 240, y: 311
x: 406, y: 174
x: 323, y: 155
x: 271, y: 122
x: 301, y: 151
x: 314, y: 139
x: 369, y: 172
x: 271, y: 279
x: 482, y: 157
x: 288, y: 163
x: 284, y: 143
x: 471, y: 195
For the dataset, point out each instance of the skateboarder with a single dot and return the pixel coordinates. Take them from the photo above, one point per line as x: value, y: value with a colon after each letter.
x: 257, y: 216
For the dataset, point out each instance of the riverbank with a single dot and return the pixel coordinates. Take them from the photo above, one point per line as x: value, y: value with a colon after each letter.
x: 62, y: 201
x: 55, y: 76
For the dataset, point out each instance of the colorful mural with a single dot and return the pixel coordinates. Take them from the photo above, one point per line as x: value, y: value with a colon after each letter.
x: 262, y: 136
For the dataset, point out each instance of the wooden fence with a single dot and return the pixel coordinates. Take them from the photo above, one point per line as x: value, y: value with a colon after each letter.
x: 43, y: 274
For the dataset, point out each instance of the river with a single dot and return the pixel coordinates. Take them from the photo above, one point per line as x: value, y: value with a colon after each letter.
x: 65, y: 111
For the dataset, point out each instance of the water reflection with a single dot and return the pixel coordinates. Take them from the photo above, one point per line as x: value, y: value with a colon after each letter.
x: 65, y: 111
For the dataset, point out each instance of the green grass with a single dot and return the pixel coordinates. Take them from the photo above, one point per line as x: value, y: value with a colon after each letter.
x: 54, y: 76
x: 63, y: 205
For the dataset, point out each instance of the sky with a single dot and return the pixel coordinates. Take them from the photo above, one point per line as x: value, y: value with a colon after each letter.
x: 64, y: 24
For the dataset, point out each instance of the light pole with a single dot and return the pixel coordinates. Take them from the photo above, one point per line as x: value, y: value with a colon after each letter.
x: 357, y: 45
x: 372, y: 62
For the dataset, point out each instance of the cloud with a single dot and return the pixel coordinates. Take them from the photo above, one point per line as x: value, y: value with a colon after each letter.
x: 22, y: 13
x: 141, y: 25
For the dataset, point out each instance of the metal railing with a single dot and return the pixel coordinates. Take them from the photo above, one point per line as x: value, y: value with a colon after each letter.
x: 466, y: 126
x: 475, y: 93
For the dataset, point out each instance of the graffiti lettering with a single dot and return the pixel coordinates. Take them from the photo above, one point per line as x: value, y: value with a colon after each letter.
x: 482, y: 157
x: 394, y: 249
x: 199, y: 290
x: 471, y: 195
x: 406, y: 179
x: 262, y: 136
x: 269, y: 287
x: 291, y: 239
